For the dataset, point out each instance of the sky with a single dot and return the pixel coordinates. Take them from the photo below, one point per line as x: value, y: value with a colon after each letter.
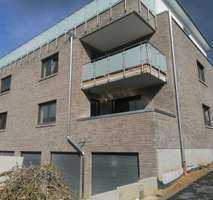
x: 21, y: 20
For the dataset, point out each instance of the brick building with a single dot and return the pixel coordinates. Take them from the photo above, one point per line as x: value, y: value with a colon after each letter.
x: 121, y: 90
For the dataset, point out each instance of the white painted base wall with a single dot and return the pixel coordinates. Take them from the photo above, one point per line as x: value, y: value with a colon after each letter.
x: 7, y: 163
x: 169, y: 162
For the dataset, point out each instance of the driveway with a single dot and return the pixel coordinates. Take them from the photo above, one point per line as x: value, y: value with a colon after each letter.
x: 200, y: 190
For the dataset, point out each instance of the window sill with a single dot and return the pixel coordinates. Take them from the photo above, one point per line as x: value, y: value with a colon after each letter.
x: 4, y: 93
x: 48, y: 77
x: 45, y: 125
x: 203, y: 82
x: 2, y: 130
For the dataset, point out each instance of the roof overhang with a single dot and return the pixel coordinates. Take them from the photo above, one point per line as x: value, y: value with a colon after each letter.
x: 188, y: 22
x: 121, y: 31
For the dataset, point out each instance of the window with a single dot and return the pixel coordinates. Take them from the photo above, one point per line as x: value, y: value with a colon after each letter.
x: 207, y: 115
x: 7, y: 153
x: 5, y: 84
x: 201, y: 73
x: 31, y: 158
x: 69, y: 166
x: 3, y: 120
x: 49, y: 66
x: 116, y: 106
x: 47, y: 113
x: 110, y: 171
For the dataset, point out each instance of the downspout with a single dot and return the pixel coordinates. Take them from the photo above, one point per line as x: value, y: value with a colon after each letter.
x: 69, y: 138
x: 182, y: 150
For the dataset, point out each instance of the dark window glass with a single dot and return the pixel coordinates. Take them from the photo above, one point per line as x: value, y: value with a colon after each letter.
x: 7, y: 153
x: 47, y: 112
x: 95, y: 108
x: 31, y: 158
x: 117, y: 105
x: 69, y: 166
x: 201, y: 73
x: 207, y: 115
x: 3, y: 120
x: 5, y: 84
x: 112, y: 170
x: 49, y: 66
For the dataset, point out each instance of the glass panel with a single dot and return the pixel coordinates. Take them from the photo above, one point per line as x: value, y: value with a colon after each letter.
x: 90, y: 10
x: 88, y: 72
x: 101, y: 67
x: 112, y: 170
x: 3, y: 121
x: 5, y: 84
x: 31, y: 158
x: 150, y: 4
x: 69, y: 165
x: 103, y: 5
x: 52, y: 112
x: 116, y: 62
x: 132, y: 57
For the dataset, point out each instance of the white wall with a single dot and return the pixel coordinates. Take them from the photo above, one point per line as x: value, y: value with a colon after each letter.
x: 9, y: 162
x: 169, y: 161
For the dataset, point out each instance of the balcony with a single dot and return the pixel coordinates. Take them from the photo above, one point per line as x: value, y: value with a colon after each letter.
x: 137, y: 67
x: 124, y: 22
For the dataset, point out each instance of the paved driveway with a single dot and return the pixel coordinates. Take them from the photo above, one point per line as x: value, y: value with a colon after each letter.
x: 200, y: 190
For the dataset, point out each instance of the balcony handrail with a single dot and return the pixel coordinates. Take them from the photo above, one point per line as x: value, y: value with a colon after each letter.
x: 125, y: 49
x: 97, y: 13
x: 142, y: 54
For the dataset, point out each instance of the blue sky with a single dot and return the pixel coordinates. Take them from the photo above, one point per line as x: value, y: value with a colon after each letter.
x: 20, y: 20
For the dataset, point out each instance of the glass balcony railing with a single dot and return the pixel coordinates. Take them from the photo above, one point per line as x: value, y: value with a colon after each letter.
x: 144, y: 54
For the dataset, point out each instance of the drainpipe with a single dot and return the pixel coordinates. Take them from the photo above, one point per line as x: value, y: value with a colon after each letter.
x: 182, y: 150
x: 69, y: 138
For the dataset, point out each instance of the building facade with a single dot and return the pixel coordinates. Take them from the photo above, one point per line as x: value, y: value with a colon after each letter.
x: 118, y: 91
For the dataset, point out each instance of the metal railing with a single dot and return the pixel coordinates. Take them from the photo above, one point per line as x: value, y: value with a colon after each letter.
x: 127, y: 59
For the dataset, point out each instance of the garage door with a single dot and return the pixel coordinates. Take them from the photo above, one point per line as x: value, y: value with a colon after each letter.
x: 112, y: 170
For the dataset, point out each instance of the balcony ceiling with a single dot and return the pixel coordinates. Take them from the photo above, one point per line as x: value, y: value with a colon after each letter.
x: 126, y: 29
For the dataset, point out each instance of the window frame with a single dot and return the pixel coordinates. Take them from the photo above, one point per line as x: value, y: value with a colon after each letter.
x: 40, y: 120
x: 207, y: 109
x: 7, y: 153
x: 201, y: 72
x: 5, y: 125
x: 47, y: 61
x: 32, y: 152
x: 6, y: 88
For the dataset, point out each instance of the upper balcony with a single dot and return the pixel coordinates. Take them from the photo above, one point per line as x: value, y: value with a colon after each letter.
x: 124, y: 22
x: 133, y: 68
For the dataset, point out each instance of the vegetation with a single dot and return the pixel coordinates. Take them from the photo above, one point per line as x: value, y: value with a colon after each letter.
x: 34, y: 183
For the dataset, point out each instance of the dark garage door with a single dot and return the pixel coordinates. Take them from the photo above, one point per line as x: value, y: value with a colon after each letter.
x: 69, y: 166
x: 112, y: 170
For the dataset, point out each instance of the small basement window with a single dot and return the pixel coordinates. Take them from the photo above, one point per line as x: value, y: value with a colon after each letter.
x: 5, y: 84
x: 111, y: 170
x: 31, y: 158
x: 201, y: 72
x: 47, y: 113
x: 49, y: 66
x: 3, y: 120
x: 206, y: 115
x: 7, y: 153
